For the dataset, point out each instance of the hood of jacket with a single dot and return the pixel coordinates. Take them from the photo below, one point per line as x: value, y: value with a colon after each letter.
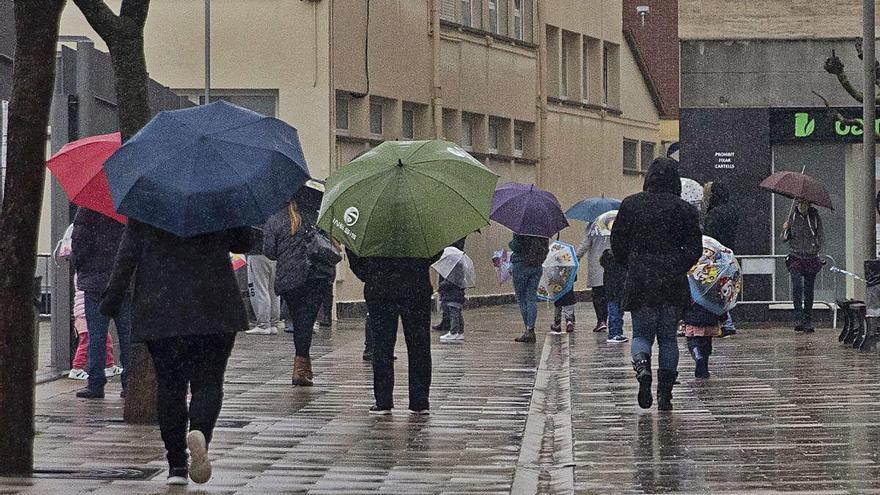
x: 718, y: 195
x: 663, y: 177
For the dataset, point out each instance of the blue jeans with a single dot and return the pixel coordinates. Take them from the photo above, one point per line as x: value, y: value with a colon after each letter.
x: 615, y: 319
x: 525, y: 284
x: 728, y: 324
x: 98, y: 325
x: 660, y: 323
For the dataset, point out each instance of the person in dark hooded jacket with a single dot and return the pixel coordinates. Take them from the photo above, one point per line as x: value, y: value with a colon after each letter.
x: 721, y: 223
x: 657, y: 237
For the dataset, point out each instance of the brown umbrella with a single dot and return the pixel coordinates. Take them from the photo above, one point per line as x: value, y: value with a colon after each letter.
x: 798, y: 186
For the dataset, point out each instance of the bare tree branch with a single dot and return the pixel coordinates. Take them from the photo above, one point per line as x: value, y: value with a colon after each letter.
x: 100, y: 17
x: 136, y: 10
x: 839, y: 116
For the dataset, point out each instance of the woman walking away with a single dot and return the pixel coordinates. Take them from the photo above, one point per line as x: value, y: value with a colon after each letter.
x: 527, y: 257
x: 721, y: 223
x: 593, y: 246
x: 187, y: 309
x: 805, y: 237
x: 657, y: 237
x: 398, y: 288
x: 304, y: 272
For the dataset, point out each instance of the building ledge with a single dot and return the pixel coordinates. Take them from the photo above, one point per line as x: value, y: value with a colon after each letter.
x: 584, y: 105
x: 488, y: 34
x: 629, y: 171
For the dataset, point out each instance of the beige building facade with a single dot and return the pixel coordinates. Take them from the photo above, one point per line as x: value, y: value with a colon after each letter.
x: 541, y: 92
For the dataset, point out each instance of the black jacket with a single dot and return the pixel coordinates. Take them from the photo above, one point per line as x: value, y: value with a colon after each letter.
x: 182, y: 286
x: 657, y: 237
x: 613, y: 278
x: 722, y: 217
x: 393, y: 278
x: 94, y: 242
x: 291, y: 251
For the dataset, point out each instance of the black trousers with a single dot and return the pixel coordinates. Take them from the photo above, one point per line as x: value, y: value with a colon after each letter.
x: 415, y: 313
x: 197, y: 362
x: 600, y: 304
x: 325, y: 315
x: 303, y: 305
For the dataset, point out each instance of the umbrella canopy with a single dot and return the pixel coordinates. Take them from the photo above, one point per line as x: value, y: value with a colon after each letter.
x: 407, y: 199
x: 795, y: 185
x: 456, y: 267
x: 79, y: 168
x: 691, y: 191
x: 589, y: 209
x: 527, y: 210
x: 206, y: 169
x: 716, y: 280
x: 603, y: 225
x: 560, y: 271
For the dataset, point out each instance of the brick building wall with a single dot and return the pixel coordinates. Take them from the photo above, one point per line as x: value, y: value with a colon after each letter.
x: 657, y: 42
x: 773, y: 19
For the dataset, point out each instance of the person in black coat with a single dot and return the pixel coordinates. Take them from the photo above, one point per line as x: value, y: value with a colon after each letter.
x: 657, y: 237
x: 721, y: 223
x: 94, y: 242
x: 300, y: 281
x: 187, y: 309
x: 398, y: 288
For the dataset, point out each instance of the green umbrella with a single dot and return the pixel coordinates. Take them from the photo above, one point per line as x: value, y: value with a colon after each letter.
x: 407, y: 199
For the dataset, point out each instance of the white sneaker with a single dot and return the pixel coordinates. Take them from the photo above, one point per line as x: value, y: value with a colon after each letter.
x: 280, y: 326
x: 78, y: 374
x: 420, y: 412
x: 112, y: 371
x: 260, y: 331
x: 199, y: 464
x: 459, y: 338
x: 451, y: 338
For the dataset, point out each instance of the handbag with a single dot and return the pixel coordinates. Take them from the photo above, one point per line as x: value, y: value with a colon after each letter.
x: 321, y: 250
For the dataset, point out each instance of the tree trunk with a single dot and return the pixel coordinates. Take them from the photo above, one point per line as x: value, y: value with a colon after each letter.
x: 124, y: 35
x: 36, y: 35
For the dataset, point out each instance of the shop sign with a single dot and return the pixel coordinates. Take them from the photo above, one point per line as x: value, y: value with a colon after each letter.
x: 817, y: 125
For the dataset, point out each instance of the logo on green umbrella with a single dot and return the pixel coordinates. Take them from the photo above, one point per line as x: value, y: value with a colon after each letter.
x: 351, y: 216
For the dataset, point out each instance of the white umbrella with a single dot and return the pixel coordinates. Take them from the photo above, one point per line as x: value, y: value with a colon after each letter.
x: 456, y: 267
x: 691, y: 191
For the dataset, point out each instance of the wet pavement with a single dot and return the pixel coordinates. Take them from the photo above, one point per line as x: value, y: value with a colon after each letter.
x: 783, y: 412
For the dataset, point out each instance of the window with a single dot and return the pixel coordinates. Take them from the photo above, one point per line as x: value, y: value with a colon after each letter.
x: 466, y: 13
x: 260, y: 101
x: 648, y: 150
x: 630, y: 155
x: 493, y: 15
x: 605, y: 62
x: 518, y: 28
x: 493, y: 136
x: 376, y: 118
x: 585, y: 77
x: 563, y: 71
x: 408, y: 123
x: 518, y: 142
x: 467, y: 133
x: 341, y: 112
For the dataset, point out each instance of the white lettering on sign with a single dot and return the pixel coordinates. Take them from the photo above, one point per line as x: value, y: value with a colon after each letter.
x: 725, y: 160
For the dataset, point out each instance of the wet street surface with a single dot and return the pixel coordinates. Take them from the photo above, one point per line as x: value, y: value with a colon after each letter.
x: 783, y: 412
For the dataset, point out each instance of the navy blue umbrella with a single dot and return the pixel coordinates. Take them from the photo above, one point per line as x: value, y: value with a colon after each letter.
x: 589, y: 209
x: 206, y: 169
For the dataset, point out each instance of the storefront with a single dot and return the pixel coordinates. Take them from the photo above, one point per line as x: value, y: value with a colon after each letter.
x: 742, y: 146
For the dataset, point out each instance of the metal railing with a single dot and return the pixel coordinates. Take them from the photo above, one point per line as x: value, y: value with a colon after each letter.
x: 827, y: 282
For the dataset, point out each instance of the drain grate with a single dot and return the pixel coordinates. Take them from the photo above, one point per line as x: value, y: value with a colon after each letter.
x: 121, y: 473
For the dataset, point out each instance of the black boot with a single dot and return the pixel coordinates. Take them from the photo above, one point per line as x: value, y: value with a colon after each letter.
x: 665, y: 382
x: 701, y: 357
x: 642, y: 367
x: 527, y: 336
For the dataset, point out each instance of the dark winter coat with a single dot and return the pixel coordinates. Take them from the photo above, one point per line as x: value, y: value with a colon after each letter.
x: 657, y: 237
x: 522, y: 245
x: 291, y: 251
x: 94, y: 242
x: 393, y: 278
x: 722, y: 217
x: 257, y: 233
x: 698, y: 316
x: 614, y: 277
x: 805, y: 235
x: 182, y: 286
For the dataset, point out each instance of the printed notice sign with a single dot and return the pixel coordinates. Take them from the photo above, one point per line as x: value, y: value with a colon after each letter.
x: 725, y: 160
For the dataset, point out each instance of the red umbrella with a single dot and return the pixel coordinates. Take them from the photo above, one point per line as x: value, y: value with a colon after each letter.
x: 79, y: 168
x: 798, y: 186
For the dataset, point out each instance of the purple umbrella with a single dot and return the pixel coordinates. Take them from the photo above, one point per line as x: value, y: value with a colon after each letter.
x: 527, y: 210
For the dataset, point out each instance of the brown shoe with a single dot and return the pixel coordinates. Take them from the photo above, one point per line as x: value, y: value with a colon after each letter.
x: 302, y: 371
